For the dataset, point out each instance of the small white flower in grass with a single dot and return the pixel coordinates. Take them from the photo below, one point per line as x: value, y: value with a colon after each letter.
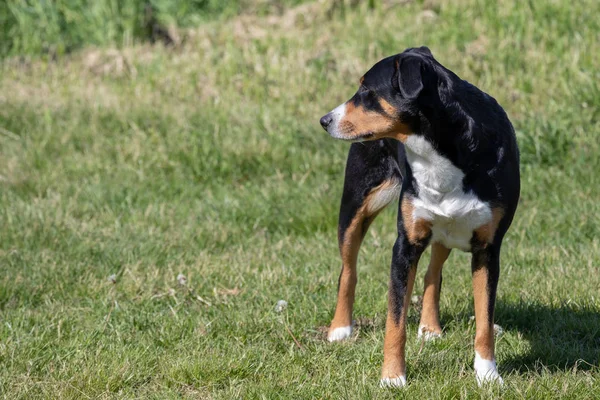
x: 112, y: 278
x: 182, y: 279
x: 498, y: 330
x: 281, y: 305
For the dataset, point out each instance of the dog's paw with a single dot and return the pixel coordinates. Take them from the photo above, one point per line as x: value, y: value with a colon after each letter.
x: 425, y: 334
x: 340, y: 333
x: 486, y: 371
x: 397, y: 382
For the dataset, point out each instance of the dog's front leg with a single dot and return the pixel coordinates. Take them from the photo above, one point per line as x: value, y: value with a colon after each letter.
x: 429, y: 327
x: 402, y: 277
x: 486, y: 270
x: 413, y: 236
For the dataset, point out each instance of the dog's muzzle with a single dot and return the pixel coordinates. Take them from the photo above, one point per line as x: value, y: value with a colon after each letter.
x: 326, y: 120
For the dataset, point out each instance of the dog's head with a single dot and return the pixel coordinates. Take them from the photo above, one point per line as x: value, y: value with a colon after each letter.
x: 388, y: 100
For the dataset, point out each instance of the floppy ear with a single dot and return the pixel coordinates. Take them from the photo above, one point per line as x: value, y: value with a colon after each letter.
x: 410, y: 79
x: 425, y: 50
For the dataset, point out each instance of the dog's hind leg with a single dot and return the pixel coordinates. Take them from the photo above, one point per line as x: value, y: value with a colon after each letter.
x: 372, y: 181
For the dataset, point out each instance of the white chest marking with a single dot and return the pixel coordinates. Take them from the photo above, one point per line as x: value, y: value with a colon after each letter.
x: 454, y: 214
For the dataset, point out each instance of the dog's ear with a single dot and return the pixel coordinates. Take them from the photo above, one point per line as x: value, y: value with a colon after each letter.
x: 410, y: 76
x: 425, y: 50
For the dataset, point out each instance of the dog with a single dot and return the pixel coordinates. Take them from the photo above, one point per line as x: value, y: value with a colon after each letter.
x: 447, y: 152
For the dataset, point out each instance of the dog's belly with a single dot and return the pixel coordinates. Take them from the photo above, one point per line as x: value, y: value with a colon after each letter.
x: 453, y: 216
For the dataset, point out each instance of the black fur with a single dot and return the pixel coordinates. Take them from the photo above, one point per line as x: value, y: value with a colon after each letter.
x: 464, y: 124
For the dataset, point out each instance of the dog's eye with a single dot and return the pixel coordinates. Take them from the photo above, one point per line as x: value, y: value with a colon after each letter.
x: 362, y: 89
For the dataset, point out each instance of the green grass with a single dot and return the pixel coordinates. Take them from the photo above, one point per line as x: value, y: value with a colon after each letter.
x: 56, y: 27
x: 207, y: 159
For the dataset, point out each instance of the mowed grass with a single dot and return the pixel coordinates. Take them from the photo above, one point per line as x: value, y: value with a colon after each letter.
x: 120, y: 170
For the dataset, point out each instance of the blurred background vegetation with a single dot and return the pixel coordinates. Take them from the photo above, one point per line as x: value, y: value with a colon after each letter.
x: 56, y: 27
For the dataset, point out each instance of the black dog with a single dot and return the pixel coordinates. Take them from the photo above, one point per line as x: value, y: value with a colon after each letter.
x: 448, y: 151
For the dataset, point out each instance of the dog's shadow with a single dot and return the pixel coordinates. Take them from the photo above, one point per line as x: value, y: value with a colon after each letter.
x: 560, y: 337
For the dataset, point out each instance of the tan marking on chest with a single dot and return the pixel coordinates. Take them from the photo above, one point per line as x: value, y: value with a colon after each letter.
x: 417, y: 229
x: 487, y: 232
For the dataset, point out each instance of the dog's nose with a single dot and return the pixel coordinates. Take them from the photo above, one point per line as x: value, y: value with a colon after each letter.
x: 326, y: 120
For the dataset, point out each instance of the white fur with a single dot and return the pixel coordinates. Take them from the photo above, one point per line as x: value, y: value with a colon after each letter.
x: 486, y: 371
x: 393, y: 382
x: 453, y: 213
x: 384, y: 197
x: 427, y: 335
x: 334, y: 128
x: 337, y: 114
x: 340, y: 333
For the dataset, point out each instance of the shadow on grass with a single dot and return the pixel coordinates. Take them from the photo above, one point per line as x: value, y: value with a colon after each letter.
x: 561, y: 336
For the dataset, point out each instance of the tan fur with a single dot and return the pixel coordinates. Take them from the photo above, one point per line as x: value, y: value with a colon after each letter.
x: 486, y: 233
x: 416, y: 229
x: 400, y: 131
x: 349, y: 251
x: 394, y: 361
x: 430, y: 314
x: 358, y: 121
x: 373, y: 201
x: 484, y: 329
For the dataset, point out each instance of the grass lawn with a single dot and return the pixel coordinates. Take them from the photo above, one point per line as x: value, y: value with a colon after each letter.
x: 122, y: 169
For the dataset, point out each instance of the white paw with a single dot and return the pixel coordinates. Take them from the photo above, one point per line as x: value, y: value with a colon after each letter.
x: 397, y: 382
x: 340, y: 333
x: 486, y: 371
x: 426, y: 334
